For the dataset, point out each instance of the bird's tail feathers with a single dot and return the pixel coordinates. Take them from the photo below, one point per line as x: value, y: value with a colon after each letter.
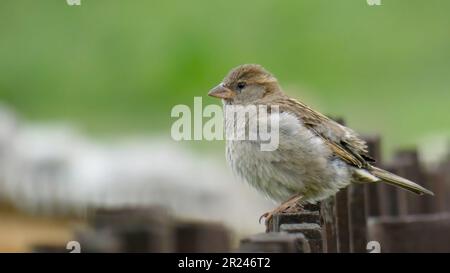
x: 398, y: 181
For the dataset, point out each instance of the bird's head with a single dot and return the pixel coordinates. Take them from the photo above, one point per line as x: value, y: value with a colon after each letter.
x: 246, y: 84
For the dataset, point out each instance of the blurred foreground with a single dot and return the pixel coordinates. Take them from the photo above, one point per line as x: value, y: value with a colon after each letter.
x: 55, y: 172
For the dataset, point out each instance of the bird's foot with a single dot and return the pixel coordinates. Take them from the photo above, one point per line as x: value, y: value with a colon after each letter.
x: 291, y: 205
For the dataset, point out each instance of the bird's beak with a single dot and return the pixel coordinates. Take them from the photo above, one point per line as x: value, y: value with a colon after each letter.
x: 221, y: 92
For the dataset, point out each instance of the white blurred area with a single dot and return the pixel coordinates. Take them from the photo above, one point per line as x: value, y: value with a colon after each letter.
x: 54, y: 170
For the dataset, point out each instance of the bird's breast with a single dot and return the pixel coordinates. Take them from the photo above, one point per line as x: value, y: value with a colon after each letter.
x: 300, y: 162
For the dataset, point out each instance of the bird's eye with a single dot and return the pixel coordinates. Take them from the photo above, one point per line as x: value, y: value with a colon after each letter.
x: 241, y: 85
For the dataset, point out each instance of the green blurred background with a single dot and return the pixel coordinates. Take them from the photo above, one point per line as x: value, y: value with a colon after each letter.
x: 118, y: 67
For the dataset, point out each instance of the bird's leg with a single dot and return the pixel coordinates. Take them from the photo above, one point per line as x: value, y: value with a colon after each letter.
x: 291, y: 205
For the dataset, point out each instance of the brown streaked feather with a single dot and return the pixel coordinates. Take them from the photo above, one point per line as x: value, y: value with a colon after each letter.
x: 343, y: 141
x: 250, y: 74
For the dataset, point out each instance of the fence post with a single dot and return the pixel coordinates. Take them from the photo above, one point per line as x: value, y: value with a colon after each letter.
x: 439, y: 187
x: 374, y: 190
x: 148, y: 229
x: 407, y: 162
x: 275, y: 242
x: 197, y: 237
x: 358, y: 218
x: 343, y: 221
x: 388, y: 196
x: 329, y: 222
x: 307, y: 222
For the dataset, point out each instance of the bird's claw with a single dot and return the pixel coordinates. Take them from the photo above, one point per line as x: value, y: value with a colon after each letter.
x: 268, y: 216
x: 291, y: 205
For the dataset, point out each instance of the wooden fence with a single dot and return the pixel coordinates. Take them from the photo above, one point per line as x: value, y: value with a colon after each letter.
x: 360, y: 218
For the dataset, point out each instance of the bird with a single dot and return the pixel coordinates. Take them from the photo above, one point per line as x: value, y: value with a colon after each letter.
x: 316, y: 156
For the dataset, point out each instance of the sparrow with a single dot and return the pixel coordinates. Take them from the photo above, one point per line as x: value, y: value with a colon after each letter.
x: 316, y: 156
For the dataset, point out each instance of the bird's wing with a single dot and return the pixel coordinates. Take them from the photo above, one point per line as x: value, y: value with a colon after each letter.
x: 343, y: 141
